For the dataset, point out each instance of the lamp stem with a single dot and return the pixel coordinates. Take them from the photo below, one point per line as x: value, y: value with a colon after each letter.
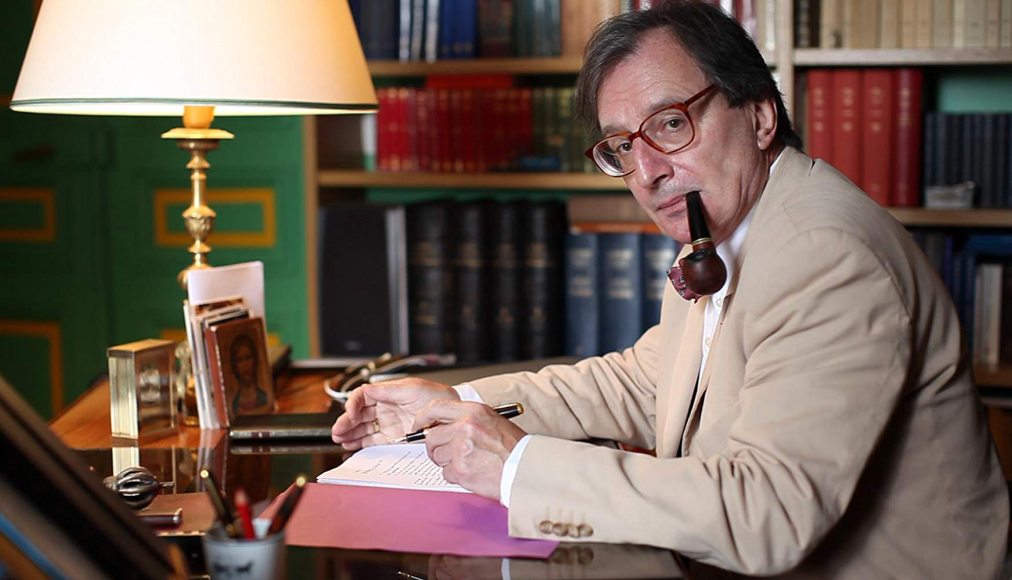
x: 198, y: 138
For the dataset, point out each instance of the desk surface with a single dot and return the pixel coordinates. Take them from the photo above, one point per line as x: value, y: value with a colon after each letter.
x: 265, y: 472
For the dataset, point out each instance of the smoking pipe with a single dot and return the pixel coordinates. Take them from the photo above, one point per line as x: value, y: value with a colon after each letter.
x: 703, y: 269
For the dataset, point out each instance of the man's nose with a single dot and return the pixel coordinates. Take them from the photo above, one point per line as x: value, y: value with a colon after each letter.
x: 651, y: 165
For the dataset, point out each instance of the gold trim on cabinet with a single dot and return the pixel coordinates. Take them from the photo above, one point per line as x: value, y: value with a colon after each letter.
x: 264, y: 197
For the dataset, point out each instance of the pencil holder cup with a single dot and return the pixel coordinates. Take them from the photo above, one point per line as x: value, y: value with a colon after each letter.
x: 262, y: 558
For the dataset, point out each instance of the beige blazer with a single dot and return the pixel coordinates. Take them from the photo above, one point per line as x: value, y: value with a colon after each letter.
x: 836, y: 431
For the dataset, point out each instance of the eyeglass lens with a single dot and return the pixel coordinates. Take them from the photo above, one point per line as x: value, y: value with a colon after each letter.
x: 667, y: 131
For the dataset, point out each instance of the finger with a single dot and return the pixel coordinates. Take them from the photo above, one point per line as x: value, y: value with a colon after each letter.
x: 445, y: 411
x: 344, y: 427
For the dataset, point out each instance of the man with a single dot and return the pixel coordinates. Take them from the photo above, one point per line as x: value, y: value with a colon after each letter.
x: 817, y: 414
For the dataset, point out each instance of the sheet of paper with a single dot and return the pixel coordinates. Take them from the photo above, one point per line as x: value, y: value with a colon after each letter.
x: 402, y: 466
x: 246, y: 280
x: 404, y: 520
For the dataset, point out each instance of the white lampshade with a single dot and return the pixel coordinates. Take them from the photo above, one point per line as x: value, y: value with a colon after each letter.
x: 152, y: 57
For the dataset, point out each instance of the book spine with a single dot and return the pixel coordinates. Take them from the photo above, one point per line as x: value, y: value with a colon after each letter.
x: 659, y: 253
x: 992, y: 22
x: 542, y: 304
x: 877, y: 134
x: 470, y: 273
x: 1005, y: 347
x: 621, y: 290
x: 908, y: 23
x: 942, y: 24
x: 847, y: 123
x: 889, y: 30
x: 906, y: 185
x: 820, y: 138
x: 505, y: 285
x: 430, y: 282
x: 582, y: 323
x: 924, y: 24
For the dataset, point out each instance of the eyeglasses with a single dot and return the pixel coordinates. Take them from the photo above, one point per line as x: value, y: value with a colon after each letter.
x: 667, y: 130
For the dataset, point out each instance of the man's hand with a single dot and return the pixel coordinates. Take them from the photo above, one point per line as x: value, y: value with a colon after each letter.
x: 470, y: 441
x: 377, y: 413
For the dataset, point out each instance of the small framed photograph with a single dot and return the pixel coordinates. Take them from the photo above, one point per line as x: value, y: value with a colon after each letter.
x: 239, y: 367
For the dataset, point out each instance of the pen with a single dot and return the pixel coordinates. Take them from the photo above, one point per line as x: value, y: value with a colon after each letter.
x: 218, y: 503
x: 245, y: 517
x: 287, y: 507
x: 509, y: 410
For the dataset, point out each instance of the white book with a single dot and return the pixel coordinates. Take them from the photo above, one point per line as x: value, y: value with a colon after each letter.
x: 399, y: 466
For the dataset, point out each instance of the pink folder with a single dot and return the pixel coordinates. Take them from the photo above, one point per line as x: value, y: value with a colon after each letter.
x: 402, y: 520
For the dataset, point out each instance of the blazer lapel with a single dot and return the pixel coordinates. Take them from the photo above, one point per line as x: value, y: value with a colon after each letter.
x: 683, y: 379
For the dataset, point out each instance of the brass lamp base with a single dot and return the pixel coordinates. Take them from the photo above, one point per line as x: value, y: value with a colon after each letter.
x: 198, y: 138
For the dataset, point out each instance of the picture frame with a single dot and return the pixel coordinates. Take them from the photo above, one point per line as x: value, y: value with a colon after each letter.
x: 239, y: 366
x: 58, y: 520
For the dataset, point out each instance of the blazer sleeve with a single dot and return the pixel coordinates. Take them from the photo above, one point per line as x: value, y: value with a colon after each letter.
x: 827, y: 347
x: 607, y: 397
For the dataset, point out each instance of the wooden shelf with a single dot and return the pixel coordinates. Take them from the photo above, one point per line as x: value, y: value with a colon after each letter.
x: 964, y: 218
x: 988, y: 376
x: 512, y: 66
x: 900, y: 56
x: 560, y: 181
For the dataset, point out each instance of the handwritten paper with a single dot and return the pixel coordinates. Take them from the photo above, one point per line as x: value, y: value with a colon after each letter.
x: 401, y: 466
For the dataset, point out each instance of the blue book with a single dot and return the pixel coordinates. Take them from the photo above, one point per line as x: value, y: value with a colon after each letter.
x: 621, y: 290
x: 659, y: 253
x: 582, y: 294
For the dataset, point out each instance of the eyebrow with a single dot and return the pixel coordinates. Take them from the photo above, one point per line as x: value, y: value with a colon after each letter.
x: 656, y: 106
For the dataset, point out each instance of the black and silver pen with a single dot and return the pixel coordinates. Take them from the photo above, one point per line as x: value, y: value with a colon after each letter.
x: 509, y: 410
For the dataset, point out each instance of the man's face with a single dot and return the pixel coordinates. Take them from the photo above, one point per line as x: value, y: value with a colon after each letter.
x: 727, y: 160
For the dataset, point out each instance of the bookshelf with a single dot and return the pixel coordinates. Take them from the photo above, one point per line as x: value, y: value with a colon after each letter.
x: 789, y: 63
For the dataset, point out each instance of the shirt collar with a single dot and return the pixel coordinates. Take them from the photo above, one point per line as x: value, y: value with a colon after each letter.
x: 729, y: 249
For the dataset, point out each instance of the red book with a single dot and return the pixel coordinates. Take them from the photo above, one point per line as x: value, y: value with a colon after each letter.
x: 906, y: 187
x: 846, y: 122
x: 425, y: 117
x: 384, y: 122
x: 409, y: 106
x: 877, y: 134
x: 820, y: 140
x: 442, y: 156
x: 476, y: 81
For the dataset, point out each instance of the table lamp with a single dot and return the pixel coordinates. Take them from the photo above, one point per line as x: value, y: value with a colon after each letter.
x: 195, y: 59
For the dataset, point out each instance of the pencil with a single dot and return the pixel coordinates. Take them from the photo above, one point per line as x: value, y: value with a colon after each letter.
x: 280, y: 519
x: 245, y: 517
x: 218, y: 503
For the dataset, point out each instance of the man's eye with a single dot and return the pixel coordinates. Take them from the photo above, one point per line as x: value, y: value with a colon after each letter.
x: 624, y: 148
x: 674, y: 123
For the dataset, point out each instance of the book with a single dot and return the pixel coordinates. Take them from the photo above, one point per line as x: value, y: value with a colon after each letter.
x: 846, y: 123
x: 430, y: 281
x: 658, y: 255
x: 941, y: 24
x: 924, y: 31
x: 621, y: 290
x: 831, y: 24
x: 504, y: 288
x: 582, y: 294
x: 362, y: 280
x: 877, y: 134
x: 470, y: 281
x: 908, y: 137
x: 889, y: 24
x: 541, y: 320
x: 818, y: 111
x: 495, y: 26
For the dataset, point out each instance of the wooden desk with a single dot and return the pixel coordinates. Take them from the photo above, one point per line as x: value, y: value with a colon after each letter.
x: 85, y: 426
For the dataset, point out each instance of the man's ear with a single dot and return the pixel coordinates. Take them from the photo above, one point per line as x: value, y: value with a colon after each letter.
x: 765, y: 120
